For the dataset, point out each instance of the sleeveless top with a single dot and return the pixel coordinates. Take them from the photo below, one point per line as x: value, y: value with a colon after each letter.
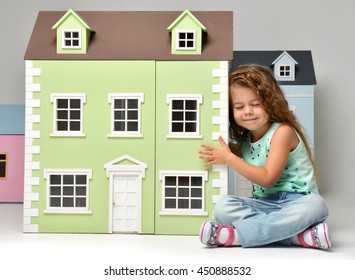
x: 298, y: 175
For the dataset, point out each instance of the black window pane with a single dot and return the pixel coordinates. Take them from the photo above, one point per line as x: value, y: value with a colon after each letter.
x: 2, y: 169
x: 2, y: 157
x: 178, y: 104
x: 67, y: 43
x: 55, y: 179
x: 182, y: 35
x: 132, y: 104
x: 170, y: 181
x: 132, y: 126
x: 75, y: 103
x: 120, y: 115
x: 191, y: 105
x: 80, y: 191
x: 170, y: 203
x: 190, y: 35
x: 74, y: 126
x: 120, y: 103
x: 182, y: 44
x: 68, y: 179
x: 62, y: 115
x: 190, y: 116
x: 132, y: 115
x: 54, y: 202
x: 80, y: 202
x: 120, y: 126
x: 62, y: 103
x: 190, y: 127
x: 183, y: 181
x: 177, y: 127
x: 68, y: 190
x: 75, y: 115
x: 189, y: 44
x: 75, y: 43
x: 196, y: 192
x: 67, y: 34
x: 80, y: 179
x: 184, y: 192
x: 196, y: 204
x: 75, y: 34
x: 55, y: 191
x: 196, y: 181
x: 178, y: 116
x: 68, y: 202
x: 183, y: 203
x: 62, y: 125
x: 170, y: 192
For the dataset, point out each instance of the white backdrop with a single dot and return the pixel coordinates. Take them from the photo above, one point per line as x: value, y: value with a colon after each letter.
x: 326, y: 27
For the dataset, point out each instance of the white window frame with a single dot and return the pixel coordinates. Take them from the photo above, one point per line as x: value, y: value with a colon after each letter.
x: 54, y: 99
x: 62, y: 209
x: 72, y: 39
x: 111, y: 99
x: 285, y: 76
x: 184, y: 173
x: 178, y: 32
x: 184, y: 97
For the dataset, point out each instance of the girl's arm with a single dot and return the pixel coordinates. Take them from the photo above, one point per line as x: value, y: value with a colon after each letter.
x: 282, y: 143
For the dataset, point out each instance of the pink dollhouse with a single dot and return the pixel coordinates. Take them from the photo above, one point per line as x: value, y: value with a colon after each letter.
x: 11, y: 153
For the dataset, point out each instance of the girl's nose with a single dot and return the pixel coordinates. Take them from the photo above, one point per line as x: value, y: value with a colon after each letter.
x: 248, y: 110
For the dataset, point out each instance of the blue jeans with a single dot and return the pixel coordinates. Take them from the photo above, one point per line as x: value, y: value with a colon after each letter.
x: 276, y: 218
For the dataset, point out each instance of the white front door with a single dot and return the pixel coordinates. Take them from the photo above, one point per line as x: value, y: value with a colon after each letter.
x: 126, y: 212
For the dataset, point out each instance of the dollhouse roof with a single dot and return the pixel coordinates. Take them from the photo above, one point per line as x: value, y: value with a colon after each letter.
x: 128, y: 35
x: 305, y: 74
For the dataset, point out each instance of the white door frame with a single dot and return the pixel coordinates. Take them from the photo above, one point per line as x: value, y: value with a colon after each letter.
x: 114, y: 168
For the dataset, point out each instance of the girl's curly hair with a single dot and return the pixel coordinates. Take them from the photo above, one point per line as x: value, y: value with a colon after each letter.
x: 261, y: 80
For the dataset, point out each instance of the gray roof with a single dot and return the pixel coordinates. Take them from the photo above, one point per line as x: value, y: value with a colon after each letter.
x: 129, y: 35
x: 305, y: 74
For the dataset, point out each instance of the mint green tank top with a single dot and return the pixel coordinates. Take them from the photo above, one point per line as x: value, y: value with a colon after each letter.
x: 298, y: 175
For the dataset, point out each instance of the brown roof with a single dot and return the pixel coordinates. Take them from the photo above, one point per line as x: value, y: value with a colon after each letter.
x: 127, y: 35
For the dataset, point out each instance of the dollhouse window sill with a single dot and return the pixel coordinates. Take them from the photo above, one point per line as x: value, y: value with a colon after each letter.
x: 67, y: 134
x: 183, y: 213
x: 113, y: 135
x: 67, y: 211
x: 187, y: 136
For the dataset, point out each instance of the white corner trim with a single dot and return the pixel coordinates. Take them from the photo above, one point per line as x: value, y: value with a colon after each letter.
x: 30, y: 148
x: 221, y: 122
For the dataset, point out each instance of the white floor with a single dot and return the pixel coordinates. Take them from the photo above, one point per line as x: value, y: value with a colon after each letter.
x: 90, y: 254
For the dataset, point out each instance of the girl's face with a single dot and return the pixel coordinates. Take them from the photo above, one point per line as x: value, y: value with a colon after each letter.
x: 248, y: 111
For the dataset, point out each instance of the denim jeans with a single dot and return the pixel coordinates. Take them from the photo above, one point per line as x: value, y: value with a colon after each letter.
x: 276, y: 218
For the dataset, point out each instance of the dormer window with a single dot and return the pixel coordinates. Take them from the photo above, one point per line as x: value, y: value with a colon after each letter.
x: 285, y: 67
x: 186, y: 35
x: 186, y: 40
x: 285, y: 71
x: 71, y: 39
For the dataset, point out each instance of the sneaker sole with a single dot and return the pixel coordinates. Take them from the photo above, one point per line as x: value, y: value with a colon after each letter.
x: 325, y: 238
x: 205, y: 232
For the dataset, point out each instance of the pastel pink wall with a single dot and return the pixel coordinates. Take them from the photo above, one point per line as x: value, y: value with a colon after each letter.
x: 11, y: 189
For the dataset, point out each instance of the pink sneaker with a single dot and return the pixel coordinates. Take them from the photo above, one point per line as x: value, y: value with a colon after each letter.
x: 210, y: 234
x: 319, y: 237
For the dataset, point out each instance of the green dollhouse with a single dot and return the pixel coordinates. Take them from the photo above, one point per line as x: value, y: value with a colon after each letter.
x: 117, y: 105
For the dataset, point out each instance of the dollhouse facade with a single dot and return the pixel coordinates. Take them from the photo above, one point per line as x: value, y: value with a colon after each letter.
x: 12, y: 138
x: 295, y: 73
x: 117, y: 105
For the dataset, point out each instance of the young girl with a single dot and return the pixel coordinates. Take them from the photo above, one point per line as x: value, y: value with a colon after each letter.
x: 286, y: 207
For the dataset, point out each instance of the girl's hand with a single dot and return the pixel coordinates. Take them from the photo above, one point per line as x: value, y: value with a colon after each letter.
x: 215, y: 155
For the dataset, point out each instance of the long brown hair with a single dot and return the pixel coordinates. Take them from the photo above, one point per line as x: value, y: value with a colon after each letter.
x: 261, y: 80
